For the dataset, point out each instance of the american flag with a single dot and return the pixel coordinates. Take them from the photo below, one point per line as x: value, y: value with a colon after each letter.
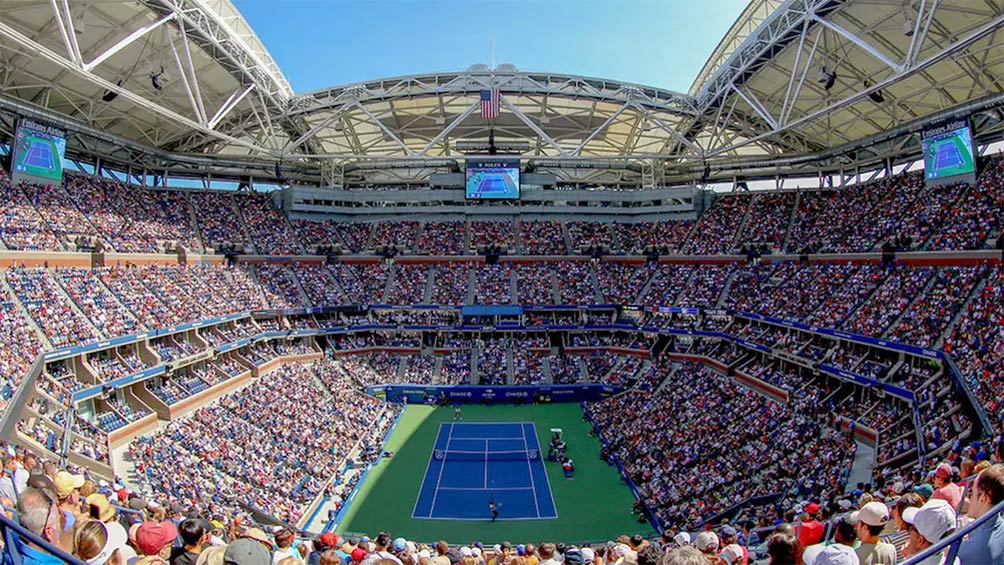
x: 490, y: 100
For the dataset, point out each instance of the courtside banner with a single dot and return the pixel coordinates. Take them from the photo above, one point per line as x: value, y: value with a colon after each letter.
x: 432, y: 394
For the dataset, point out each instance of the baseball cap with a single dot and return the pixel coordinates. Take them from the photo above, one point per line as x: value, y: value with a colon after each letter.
x: 733, y: 553
x: 358, y: 554
x: 706, y: 541
x: 682, y: 538
x: 424, y: 554
x: 329, y: 539
x: 587, y: 554
x: 454, y: 556
x: 574, y: 557
x: 506, y: 545
x: 520, y: 549
x: 932, y: 520
x: 728, y: 531
x: 812, y: 508
x: 873, y: 514
x: 151, y: 537
x: 400, y: 544
x: 836, y: 554
x: 924, y: 490
x: 466, y: 552
x: 105, y: 510
x: 247, y: 551
x: 943, y: 471
x: 65, y: 482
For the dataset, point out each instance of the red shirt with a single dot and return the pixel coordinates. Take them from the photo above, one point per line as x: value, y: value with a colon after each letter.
x: 810, y: 533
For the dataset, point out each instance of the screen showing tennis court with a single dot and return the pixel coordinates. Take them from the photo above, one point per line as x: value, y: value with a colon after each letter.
x: 39, y: 150
x: 493, y: 179
x: 948, y: 151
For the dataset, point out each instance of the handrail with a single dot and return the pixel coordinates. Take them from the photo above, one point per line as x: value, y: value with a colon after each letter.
x: 954, y: 542
x: 11, y: 529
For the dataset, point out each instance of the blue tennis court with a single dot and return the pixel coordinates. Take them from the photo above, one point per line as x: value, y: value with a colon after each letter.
x: 39, y: 155
x: 948, y: 156
x: 493, y: 184
x: 472, y: 463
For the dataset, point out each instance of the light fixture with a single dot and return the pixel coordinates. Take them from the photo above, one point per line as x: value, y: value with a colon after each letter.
x: 827, y: 78
x: 155, y: 79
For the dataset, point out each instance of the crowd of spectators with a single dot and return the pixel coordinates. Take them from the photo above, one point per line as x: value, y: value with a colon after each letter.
x: 493, y: 361
x: 542, y: 237
x: 409, y: 284
x: 449, y: 283
x: 686, y: 478
x: 622, y: 283
x: 280, y: 288
x: 493, y: 284
x: 290, y: 445
x: 576, y: 283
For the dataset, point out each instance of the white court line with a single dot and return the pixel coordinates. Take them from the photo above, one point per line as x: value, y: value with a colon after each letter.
x: 435, y: 493
x: 476, y: 489
x: 543, y: 466
x: 486, y: 463
x: 426, y: 474
x: 529, y: 469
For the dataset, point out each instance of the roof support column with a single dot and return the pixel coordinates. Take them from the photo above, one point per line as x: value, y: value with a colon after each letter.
x: 128, y: 40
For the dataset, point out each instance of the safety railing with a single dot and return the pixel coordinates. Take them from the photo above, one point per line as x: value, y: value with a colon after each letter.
x: 953, y: 542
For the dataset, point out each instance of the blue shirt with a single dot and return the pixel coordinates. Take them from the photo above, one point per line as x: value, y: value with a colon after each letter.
x: 32, y: 556
x: 985, y: 544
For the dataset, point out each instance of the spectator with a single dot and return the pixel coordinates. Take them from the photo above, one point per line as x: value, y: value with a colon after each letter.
x: 39, y: 513
x: 870, y: 521
x: 154, y: 540
x: 929, y: 524
x: 195, y: 534
x: 986, y: 543
x: 707, y: 543
x: 784, y: 549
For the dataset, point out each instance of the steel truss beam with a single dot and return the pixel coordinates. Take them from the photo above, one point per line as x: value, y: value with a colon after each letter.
x: 944, y: 53
x: 77, y: 69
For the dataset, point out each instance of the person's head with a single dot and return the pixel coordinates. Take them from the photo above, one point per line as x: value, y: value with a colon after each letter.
x: 545, y: 551
x: 987, y: 490
x: 193, y: 532
x: 98, y: 543
x: 284, y: 538
x: 442, y: 547
x: 30, y: 460
x: 870, y: 521
x: 40, y: 514
x: 649, y: 555
x: 942, y: 475
x: 382, y: 541
x: 684, y: 555
x: 707, y: 542
x: 330, y: 557
x: 729, y: 535
x: 155, y: 538
x: 784, y: 528
x: 908, y: 500
x: 929, y: 523
x: 506, y: 549
x: 637, y: 541
x: 245, y: 551
x: 68, y: 487
x: 49, y: 469
x: 530, y: 549
x: 784, y: 549
x: 844, y: 531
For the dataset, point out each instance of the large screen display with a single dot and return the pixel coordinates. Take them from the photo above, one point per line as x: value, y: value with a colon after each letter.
x: 948, y: 151
x: 492, y: 179
x: 38, y: 154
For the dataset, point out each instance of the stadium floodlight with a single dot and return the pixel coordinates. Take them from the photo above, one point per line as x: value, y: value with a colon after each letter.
x: 155, y: 79
x: 827, y: 78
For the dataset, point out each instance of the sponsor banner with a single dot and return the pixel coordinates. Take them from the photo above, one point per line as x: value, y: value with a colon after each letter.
x: 431, y: 394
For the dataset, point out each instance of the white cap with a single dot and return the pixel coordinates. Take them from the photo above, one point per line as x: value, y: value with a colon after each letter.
x: 466, y: 551
x: 117, y: 539
x: 587, y: 554
x: 682, y: 538
x: 873, y: 514
x: 932, y: 520
x: 836, y: 554
x: 707, y: 541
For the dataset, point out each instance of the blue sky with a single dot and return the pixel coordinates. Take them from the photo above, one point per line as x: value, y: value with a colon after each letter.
x: 320, y: 43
